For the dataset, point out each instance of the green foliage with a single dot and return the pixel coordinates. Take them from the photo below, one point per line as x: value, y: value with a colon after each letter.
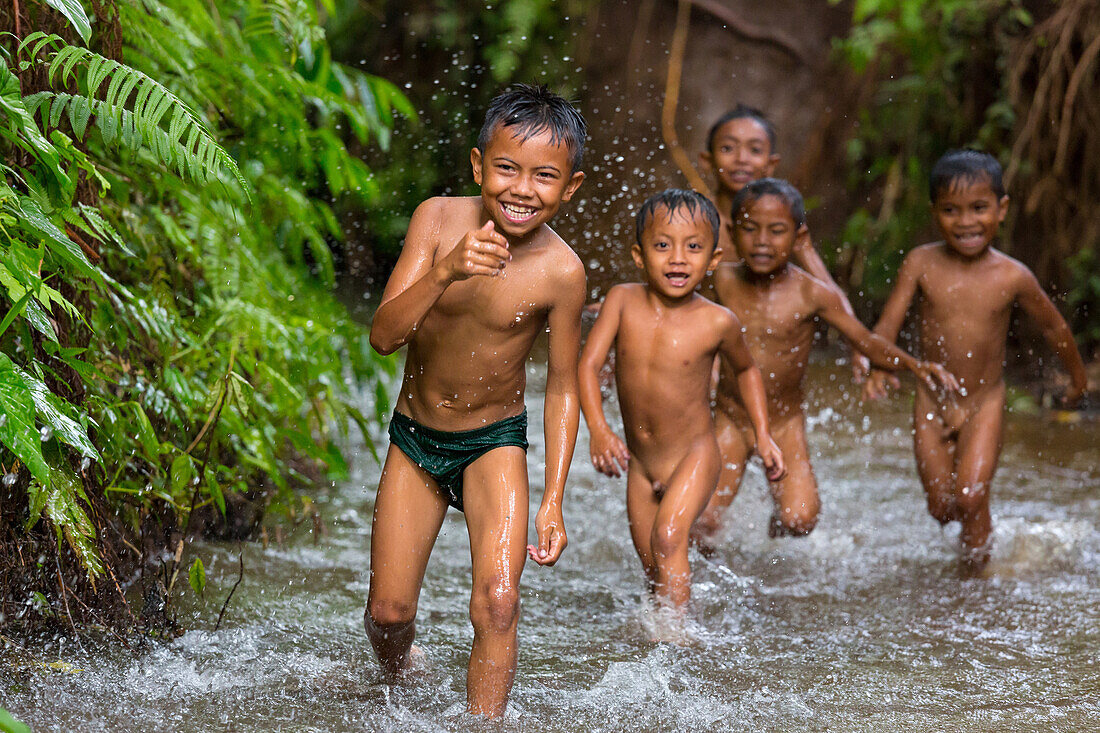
x: 1084, y: 295
x: 937, y: 67
x: 196, y: 576
x: 9, y: 724
x: 195, y: 307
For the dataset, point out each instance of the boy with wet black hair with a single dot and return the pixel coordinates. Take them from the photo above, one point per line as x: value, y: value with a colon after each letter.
x: 666, y: 338
x: 741, y: 148
x: 779, y: 306
x: 967, y: 290
x: 478, y: 280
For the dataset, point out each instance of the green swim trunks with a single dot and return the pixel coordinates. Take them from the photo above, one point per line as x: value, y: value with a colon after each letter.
x: 445, y: 455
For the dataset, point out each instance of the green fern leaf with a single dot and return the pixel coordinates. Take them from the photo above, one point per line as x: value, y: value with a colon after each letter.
x: 74, y: 12
x: 80, y: 112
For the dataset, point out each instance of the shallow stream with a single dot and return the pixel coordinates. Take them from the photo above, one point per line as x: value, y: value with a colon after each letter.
x: 864, y: 625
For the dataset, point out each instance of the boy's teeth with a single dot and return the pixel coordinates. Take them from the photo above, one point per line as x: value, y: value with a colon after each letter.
x: 518, y: 210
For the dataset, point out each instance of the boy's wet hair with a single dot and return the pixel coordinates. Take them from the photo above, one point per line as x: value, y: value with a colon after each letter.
x: 742, y: 110
x: 967, y: 165
x: 777, y: 187
x: 677, y: 199
x: 532, y: 109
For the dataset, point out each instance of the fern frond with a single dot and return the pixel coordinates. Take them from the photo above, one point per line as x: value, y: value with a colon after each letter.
x: 199, y: 157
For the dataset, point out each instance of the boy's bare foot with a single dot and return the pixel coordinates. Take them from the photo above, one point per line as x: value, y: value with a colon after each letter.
x: 416, y: 664
x: 973, y: 560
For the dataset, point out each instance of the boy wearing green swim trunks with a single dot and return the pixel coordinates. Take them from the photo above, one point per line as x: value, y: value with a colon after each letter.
x: 478, y: 280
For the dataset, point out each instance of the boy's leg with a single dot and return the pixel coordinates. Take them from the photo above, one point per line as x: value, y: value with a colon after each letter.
x: 689, y: 489
x: 408, y: 512
x: 494, y: 497
x: 934, y: 447
x: 641, y: 509
x: 976, y: 460
x: 735, y: 453
x: 796, y: 500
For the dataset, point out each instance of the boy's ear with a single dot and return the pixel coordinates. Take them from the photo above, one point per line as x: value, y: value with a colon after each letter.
x: 715, y: 259
x: 575, y: 181
x: 773, y: 161
x: 802, y: 236
x: 475, y: 164
x: 636, y: 254
x: 1004, y: 209
x: 706, y: 161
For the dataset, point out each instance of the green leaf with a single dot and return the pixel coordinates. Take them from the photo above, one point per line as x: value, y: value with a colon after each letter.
x: 145, y: 434
x: 14, y: 311
x: 63, y: 507
x: 9, y: 724
x: 196, y: 576
x: 17, y: 427
x: 183, y: 472
x: 60, y: 416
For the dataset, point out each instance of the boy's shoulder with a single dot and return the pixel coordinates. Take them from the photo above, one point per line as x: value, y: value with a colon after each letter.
x: 938, y: 254
x: 438, y: 207
x: 716, y: 315
x: 625, y: 293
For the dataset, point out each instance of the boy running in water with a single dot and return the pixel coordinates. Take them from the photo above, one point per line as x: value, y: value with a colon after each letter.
x: 779, y: 305
x: 478, y: 280
x: 967, y: 290
x: 666, y: 338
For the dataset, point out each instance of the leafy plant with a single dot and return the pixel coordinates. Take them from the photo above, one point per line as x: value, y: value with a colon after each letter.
x: 170, y: 340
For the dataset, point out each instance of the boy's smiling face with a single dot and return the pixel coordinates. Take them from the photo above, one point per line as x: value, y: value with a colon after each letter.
x: 676, y: 252
x: 523, y: 182
x: 968, y: 214
x: 764, y: 234
x: 741, y: 153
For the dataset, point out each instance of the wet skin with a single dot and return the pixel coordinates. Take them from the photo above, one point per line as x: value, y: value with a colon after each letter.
x: 477, y: 281
x: 965, y: 291
x: 666, y: 338
x: 778, y: 305
x: 742, y: 153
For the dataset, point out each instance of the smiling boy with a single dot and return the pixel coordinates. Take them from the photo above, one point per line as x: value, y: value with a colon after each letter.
x: 967, y: 290
x: 779, y: 306
x: 478, y: 280
x: 666, y: 338
x: 741, y: 148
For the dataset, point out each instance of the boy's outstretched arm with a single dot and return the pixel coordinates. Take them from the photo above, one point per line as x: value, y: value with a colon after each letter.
x: 1056, y: 332
x: 751, y: 387
x: 890, y: 323
x: 608, y: 452
x: 881, y: 352
x: 416, y: 283
x: 561, y: 412
x: 806, y: 256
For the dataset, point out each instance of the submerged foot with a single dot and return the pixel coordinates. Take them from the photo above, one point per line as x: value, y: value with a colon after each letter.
x: 974, y: 560
x: 416, y: 664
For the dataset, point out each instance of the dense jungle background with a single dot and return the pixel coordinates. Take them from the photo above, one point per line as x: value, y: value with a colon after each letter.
x: 201, y: 201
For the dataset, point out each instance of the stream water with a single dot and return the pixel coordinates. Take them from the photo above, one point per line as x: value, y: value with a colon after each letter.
x: 864, y: 625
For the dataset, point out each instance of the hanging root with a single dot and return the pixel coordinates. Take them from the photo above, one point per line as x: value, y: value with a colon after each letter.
x: 1055, y: 163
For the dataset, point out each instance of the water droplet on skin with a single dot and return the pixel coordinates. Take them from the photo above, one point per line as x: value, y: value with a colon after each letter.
x: 929, y: 416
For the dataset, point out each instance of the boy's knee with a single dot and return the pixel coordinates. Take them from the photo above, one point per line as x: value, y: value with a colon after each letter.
x: 385, y: 614
x: 797, y: 521
x: 942, y: 509
x: 972, y: 499
x: 494, y: 608
x: 668, y: 539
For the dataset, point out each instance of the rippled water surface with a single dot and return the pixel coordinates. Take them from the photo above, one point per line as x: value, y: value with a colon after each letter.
x: 864, y: 625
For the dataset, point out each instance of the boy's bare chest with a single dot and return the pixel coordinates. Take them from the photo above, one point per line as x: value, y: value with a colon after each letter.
x: 507, y: 302
x: 966, y: 300
x: 663, y: 344
x: 779, y: 318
